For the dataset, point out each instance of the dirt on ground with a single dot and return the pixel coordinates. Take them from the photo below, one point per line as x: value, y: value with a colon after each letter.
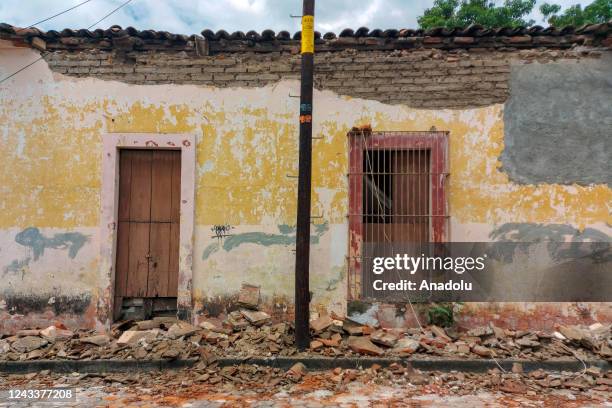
x: 250, y: 385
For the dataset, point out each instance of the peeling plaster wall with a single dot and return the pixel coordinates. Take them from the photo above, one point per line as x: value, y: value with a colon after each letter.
x: 48, y: 272
x: 51, y: 130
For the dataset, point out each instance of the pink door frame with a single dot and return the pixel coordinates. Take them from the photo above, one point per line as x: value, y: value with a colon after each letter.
x: 112, y: 143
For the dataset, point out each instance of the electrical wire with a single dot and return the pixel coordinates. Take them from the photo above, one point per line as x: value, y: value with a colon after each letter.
x: 53, y: 16
x: 88, y: 28
x: 110, y: 14
x: 22, y: 69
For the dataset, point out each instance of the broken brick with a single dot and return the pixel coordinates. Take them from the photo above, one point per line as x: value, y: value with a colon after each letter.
x: 181, y: 329
x: 255, y: 317
x: 571, y: 333
x: 353, y: 329
x: 480, y: 331
x: 148, y: 324
x: 440, y: 333
x: 513, y: 387
x: 98, y: 340
x: 383, y: 338
x: 321, y: 324
x: 482, y: 351
x: 363, y: 345
x: 406, y: 345
x: 329, y: 342
x: 28, y: 343
x: 297, y: 371
x: 134, y: 336
x: 27, y: 332
x: 249, y: 296
x: 52, y: 333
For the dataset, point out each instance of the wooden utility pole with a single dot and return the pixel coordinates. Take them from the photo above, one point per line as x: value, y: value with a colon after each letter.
x: 302, y: 250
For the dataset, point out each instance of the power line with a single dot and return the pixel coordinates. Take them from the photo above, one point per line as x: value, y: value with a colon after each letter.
x: 55, y: 15
x: 43, y: 56
x: 110, y: 14
x: 21, y: 69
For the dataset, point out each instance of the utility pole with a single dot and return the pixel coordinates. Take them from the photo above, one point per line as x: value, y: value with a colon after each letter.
x: 302, y: 250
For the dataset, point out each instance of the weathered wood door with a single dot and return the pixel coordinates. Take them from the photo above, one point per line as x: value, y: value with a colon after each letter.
x: 147, y: 262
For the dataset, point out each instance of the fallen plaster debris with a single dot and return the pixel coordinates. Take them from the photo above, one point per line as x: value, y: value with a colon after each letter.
x: 251, y: 333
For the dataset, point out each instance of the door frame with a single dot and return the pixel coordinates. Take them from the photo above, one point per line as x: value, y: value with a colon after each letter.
x: 109, y: 200
x: 359, y: 140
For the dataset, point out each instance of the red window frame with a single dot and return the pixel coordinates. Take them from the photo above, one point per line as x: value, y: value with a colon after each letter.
x: 359, y: 140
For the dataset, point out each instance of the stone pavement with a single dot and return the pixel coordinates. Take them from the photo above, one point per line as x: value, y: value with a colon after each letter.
x: 371, y: 387
x: 356, y: 395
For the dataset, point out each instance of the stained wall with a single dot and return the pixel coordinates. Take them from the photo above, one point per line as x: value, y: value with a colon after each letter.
x: 51, y: 129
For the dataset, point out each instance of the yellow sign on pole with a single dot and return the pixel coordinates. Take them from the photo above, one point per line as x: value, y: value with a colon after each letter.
x: 308, y: 34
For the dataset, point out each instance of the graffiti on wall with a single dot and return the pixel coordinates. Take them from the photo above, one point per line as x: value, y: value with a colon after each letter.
x: 221, y: 231
x: 285, y: 237
x: 37, y: 243
x: 33, y: 239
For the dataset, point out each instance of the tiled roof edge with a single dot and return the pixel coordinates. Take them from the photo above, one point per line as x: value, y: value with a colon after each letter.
x: 362, y: 38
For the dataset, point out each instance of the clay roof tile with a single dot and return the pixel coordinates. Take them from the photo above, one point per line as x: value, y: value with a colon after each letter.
x: 268, y: 35
x: 474, y: 30
x: 283, y: 36
x: 329, y: 36
x: 347, y: 32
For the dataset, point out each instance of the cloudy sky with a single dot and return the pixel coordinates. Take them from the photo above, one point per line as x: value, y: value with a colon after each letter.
x: 192, y: 16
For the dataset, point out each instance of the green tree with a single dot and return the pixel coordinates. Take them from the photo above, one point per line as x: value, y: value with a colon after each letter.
x: 456, y: 13
x: 599, y: 11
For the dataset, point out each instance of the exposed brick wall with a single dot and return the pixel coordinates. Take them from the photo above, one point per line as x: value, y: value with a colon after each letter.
x: 417, y: 78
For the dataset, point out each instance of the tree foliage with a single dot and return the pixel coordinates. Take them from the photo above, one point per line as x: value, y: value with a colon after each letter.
x: 599, y: 11
x: 456, y: 13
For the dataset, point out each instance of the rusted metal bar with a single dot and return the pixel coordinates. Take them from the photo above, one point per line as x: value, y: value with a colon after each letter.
x: 302, y: 253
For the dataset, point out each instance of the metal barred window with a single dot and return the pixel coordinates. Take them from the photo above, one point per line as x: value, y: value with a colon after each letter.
x: 397, y: 198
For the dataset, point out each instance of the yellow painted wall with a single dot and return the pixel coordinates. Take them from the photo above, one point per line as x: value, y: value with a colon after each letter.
x: 50, y: 161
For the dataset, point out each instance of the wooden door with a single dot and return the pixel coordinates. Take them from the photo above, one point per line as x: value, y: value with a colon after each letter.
x: 148, y: 233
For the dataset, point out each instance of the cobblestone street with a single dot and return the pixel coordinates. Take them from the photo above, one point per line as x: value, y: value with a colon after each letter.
x: 351, y: 388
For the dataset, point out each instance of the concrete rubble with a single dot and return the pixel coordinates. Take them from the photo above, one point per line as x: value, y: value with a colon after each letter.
x: 249, y: 296
x: 363, y: 345
x: 251, y: 333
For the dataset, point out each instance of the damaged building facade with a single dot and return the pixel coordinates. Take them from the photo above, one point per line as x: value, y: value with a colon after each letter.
x: 143, y: 169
